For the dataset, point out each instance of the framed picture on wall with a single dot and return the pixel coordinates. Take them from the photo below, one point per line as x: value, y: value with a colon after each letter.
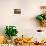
x: 17, y: 11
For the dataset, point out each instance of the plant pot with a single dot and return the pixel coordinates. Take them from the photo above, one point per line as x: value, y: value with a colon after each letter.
x: 9, y: 41
x: 43, y: 23
x: 13, y: 38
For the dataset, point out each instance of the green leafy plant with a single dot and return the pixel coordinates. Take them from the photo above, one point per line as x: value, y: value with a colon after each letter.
x: 11, y: 31
x: 41, y: 17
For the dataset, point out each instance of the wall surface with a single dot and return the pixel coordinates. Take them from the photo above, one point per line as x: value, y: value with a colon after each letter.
x: 25, y: 22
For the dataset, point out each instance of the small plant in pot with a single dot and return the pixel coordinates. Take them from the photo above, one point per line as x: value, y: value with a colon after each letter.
x: 10, y: 31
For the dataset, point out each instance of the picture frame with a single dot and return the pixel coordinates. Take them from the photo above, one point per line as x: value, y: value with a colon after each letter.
x: 17, y: 11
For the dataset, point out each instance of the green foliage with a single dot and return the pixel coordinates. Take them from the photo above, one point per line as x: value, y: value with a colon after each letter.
x: 45, y: 16
x: 11, y: 31
x: 41, y: 17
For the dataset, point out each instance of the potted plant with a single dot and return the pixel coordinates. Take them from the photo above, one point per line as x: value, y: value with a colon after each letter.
x: 10, y: 31
x: 42, y: 17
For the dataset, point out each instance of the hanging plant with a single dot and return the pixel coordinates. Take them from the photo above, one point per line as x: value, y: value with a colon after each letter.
x: 42, y: 19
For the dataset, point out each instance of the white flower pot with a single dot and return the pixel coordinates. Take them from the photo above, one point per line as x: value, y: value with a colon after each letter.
x: 9, y: 41
x: 13, y: 38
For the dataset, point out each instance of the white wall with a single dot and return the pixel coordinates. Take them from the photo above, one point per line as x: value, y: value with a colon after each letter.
x: 25, y: 22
